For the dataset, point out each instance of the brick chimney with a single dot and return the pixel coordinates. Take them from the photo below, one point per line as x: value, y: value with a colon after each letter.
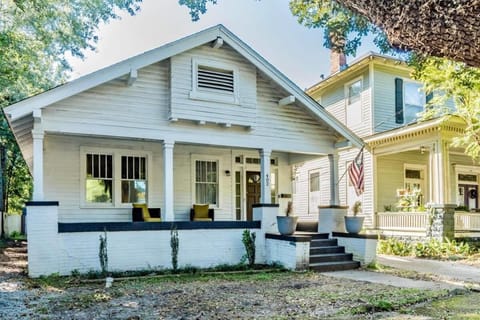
x: 338, y: 61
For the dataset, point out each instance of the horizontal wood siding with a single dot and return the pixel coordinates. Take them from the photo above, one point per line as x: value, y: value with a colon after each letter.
x: 302, y: 184
x: 384, y: 90
x: 334, y: 100
x: 392, y: 166
x: 63, y: 181
x: 302, y: 192
x: 142, y: 111
x: 183, y: 107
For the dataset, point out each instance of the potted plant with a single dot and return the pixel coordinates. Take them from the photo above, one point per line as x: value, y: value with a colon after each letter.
x: 287, y: 224
x: 354, y: 224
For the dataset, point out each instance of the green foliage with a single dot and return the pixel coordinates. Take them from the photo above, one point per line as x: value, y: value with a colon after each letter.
x: 453, y: 83
x: 36, y: 38
x: 15, y: 235
x: 103, y: 253
x: 174, y: 244
x: 395, y: 299
x: 248, y: 240
x: 434, y: 249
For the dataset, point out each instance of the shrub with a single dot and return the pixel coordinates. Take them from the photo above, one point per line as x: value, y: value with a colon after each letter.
x: 248, y: 239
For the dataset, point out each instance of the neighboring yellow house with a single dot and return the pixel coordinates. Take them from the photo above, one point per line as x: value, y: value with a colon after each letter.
x: 407, y: 164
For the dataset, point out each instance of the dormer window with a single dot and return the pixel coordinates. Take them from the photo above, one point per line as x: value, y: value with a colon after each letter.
x: 214, y: 81
x: 353, y: 108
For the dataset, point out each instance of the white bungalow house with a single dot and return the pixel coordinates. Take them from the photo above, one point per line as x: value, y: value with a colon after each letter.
x: 407, y: 163
x: 204, y: 119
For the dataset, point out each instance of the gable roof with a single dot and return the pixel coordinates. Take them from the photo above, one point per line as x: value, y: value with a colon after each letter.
x: 27, y: 106
x: 355, y: 65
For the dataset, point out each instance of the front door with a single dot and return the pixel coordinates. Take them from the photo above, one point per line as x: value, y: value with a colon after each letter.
x: 253, y: 192
x: 469, y: 195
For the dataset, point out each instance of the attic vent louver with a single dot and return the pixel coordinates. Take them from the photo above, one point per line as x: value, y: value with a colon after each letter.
x: 215, y: 79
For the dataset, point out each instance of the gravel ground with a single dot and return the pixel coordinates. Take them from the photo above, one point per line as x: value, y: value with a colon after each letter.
x: 259, y: 296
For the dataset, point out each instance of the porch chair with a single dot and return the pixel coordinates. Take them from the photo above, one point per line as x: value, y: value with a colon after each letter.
x: 140, y: 212
x: 201, y: 212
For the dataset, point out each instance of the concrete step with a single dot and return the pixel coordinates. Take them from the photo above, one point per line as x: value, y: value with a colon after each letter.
x: 327, y: 249
x: 308, y: 226
x: 330, y: 257
x: 315, y: 243
x: 313, y: 235
x: 334, y: 266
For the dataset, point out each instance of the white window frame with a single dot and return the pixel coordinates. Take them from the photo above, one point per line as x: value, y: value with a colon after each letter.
x: 310, y: 172
x: 404, y: 91
x: 422, y: 181
x: 194, y: 159
x: 214, y: 95
x: 117, y: 175
x: 355, y: 121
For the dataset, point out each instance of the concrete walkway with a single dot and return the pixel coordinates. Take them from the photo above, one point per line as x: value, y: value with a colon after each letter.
x: 444, y: 270
x: 449, y: 275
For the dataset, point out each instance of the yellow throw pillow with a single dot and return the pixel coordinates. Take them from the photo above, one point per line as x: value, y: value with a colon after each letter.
x: 200, y: 211
x: 145, y: 213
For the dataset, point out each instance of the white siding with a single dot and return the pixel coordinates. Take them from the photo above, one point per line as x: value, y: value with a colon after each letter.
x: 392, y: 166
x: 182, y: 82
x: 63, y: 178
x: 142, y: 111
x: 334, y: 100
x: 384, y: 90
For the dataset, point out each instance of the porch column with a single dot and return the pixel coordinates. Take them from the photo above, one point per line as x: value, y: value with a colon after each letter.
x: 265, y: 196
x: 439, y: 172
x: 167, y: 148
x: 38, y: 136
x: 334, y: 189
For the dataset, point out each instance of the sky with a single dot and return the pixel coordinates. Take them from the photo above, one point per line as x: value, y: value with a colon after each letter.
x: 267, y: 26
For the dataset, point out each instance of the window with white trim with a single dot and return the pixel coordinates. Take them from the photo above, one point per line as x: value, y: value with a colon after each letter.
x: 206, y: 182
x: 99, y: 178
x: 353, y: 110
x: 413, y: 100
x: 134, y: 179
x: 113, y: 179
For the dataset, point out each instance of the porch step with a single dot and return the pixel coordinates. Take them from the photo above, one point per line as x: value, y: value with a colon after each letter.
x: 315, y: 243
x: 327, y: 255
x: 313, y: 235
x: 334, y: 266
x: 330, y: 257
x: 307, y: 226
x: 326, y: 249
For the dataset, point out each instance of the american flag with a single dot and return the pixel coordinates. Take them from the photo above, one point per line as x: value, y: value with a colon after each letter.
x: 355, y: 173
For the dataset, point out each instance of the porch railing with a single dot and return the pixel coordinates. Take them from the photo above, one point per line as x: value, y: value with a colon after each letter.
x: 418, y: 221
x: 404, y: 221
x: 466, y: 221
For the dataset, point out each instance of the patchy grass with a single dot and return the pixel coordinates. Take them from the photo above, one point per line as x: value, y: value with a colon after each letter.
x: 393, y: 300
x: 463, y: 307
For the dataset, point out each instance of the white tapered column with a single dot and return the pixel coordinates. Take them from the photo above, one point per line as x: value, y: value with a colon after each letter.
x: 168, y: 208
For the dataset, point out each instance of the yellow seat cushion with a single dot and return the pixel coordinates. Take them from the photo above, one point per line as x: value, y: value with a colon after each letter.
x: 145, y: 212
x: 202, y: 219
x: 200, y: 211
x: 153, y: 220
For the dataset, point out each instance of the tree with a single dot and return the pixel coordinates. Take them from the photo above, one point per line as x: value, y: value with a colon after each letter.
x: 442, y: 28
x: 453, y: 82
x: 36, y: 38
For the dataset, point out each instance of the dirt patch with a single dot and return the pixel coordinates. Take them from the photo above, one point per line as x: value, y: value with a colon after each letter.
x: 220, y: 296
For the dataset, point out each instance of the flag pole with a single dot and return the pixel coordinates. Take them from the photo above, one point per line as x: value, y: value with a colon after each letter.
x: 346, y: 169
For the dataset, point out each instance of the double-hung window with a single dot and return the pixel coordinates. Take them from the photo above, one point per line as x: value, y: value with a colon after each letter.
x: 114, y: 178
x: 409, y: 100
x: 99, y: 178
x: 206, y: 182
x: 134, y: 179
x: 353, y: 110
